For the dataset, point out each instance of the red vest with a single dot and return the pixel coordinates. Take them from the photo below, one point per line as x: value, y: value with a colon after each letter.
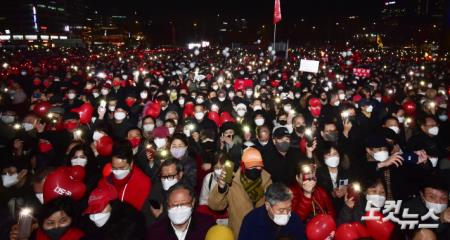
x: 135, y: 190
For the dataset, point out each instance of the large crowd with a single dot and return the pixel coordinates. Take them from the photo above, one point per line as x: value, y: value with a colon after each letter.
x: 219, y: 143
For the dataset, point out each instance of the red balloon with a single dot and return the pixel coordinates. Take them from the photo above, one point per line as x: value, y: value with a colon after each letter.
x: 361, y: 229
x: 320, y: 227
x: 226, y: 117
x: 59, y: 183
x: 214, y: 116
x: 378, y: 229
x: 409, y: 107
x: 153, y: 110
x: 85, y: 111
x: 346, y: 231
x: 104, y: 146
x: 188, y: 110
x: 315, y: 107
x: 41, y: 108
x: 77, y: 173
x: 107, y: 169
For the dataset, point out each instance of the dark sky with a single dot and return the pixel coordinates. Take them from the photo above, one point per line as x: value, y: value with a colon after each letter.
x: 260, y: 10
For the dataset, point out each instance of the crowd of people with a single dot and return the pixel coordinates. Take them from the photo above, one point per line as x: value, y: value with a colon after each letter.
x: 219, y: 143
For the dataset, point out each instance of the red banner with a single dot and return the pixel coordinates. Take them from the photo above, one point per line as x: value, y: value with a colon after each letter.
x: 277, y: 12
x: 361, y: 72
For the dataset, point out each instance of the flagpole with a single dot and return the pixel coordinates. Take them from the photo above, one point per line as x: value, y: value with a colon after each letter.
x: 274, y: 35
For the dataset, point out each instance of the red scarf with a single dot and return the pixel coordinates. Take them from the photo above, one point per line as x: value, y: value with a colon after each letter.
x: 71, y: 234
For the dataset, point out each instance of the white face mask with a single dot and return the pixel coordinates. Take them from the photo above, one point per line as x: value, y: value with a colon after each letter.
x: 336, y: 104
x: 199, y: 115
x: 434, y: 161
x: 148, y: 127
x: 241, y: 113
x: 7, y: 119
x: 259, y: 121
x: 341, y: 96
x: 97, y: 135
x: 332, y: 161
x: 281, y: 219
x: 180, y: 215
x: 443, y: 117
x: 433, y: 131
x: 221, y: 99
x: 263, y: 143
x: 119, y: 116
x: 381, y: 156
x: 395, y: 129
x: 160, y: 142
x: 171, y: 130
x: 71, y: 96
x: 79, y: 162
x: 111, y: 108
x: 401, y: 119
x: 199, y: 100
x: 181, y: 102
x: 437, y: 208
x: 100, y: 219
x: 217, y: 172
x: 121, y: 173
x: 143, y: 95
x: 168, y: 183
x: 257, y: 107
x: 369, y: 109
x: 40, y: 197
x: 104, y: 92
x: 10, y: 180
x: 178, y: 152
x: 27, y: 126
x: 95, y: 94
x: 376, y: 200
x: 287, y: 108
x: 187, y: 132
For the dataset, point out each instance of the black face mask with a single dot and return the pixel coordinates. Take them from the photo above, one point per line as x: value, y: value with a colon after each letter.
x: 56, y: 233
x: 282, y: 122
x: 300, y: 129
x: 331, y: 137
x: 283, y: 146
x: 253, y: 173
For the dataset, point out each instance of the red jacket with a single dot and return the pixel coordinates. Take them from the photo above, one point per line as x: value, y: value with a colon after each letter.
x: 304, y: 206
x: 71, y: 234
x: 134, y: 189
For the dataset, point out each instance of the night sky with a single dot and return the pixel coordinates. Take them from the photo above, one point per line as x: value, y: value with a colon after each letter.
x: 260, y: 10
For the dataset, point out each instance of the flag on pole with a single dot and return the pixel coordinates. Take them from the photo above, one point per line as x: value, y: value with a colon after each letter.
x: 277, y: 12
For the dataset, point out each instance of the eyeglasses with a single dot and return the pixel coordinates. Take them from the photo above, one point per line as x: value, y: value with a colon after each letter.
x: 169, y: 177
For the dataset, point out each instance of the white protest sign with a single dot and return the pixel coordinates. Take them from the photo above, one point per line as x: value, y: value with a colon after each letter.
x: 311, y: 66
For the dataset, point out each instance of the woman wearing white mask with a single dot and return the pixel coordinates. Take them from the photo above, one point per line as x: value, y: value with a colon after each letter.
x: 353, y: 210
x: 82, y: 155
x: 210, y: 179
x: 332, y: 175
x: 105, y: 212
x: 179, y: 150
x: 120, y: 122
x: 148, y: 124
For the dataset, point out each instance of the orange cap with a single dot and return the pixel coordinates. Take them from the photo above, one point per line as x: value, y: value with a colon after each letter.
x: 252, y: 158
